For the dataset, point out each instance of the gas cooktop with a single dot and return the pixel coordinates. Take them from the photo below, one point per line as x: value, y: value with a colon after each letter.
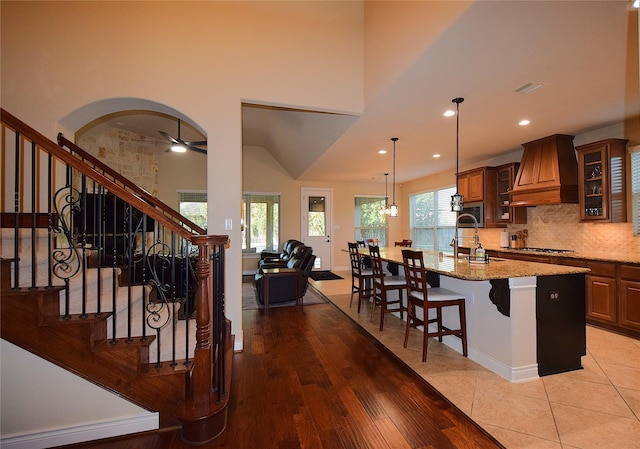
x: 545, y: 250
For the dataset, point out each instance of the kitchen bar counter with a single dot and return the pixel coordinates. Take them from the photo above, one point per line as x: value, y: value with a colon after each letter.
x: 524, y: 319
x: 496, y: 268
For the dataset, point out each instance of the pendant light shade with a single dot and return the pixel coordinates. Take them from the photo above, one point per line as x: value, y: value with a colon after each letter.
x: 457, y: 200
x: 393, y: 210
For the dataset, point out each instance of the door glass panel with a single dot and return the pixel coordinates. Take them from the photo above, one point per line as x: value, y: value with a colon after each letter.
x: 317, y: 217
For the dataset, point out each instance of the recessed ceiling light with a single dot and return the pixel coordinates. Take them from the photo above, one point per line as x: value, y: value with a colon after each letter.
x: 383, y: 151
x: 523, y: 122
x: 449, y: 113
x: 636, y: 4
x: 436, y: 155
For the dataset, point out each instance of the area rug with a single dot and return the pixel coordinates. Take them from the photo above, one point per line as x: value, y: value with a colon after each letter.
x: 249, y: 301
x: 324, y: 276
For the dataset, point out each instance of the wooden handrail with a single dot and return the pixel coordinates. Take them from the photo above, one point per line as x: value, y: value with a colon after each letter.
x: 97, y: 175
x: 172, y: 213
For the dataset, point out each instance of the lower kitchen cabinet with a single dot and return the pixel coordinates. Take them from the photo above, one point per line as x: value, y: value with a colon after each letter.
x: 612, y: 289
x: 601, y: 298
x: 630, y: 297
x: 602, y: 294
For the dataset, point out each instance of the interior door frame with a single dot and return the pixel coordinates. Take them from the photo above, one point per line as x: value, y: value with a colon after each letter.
x: 304, y: 206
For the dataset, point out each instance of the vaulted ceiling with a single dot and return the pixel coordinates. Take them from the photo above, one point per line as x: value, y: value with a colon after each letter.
x: 584, y: 54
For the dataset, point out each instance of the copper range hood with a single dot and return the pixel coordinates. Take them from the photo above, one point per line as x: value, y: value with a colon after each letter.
x: 548, y: 173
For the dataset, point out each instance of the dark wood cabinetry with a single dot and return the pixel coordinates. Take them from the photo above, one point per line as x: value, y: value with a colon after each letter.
x: 602, y: 181
x: 601, y: 298
x: 548, y: 172
x: 629, y: 313
x: 505, y: 213
x: 612, y: 289
x: 472, y: 184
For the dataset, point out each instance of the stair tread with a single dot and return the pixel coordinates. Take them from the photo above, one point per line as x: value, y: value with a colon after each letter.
x: 78, y: 318
x: 151, y: 369
x: 118, y: 343
x: 25, y: 291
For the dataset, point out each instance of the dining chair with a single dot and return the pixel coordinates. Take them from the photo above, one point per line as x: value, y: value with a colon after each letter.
x: 419, y: 295
x: 361, y: 277
x: 404, y: 243
x: 382, y: 285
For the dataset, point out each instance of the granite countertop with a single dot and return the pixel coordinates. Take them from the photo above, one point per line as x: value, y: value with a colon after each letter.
x: 496, y: 268
x: 604, y: 256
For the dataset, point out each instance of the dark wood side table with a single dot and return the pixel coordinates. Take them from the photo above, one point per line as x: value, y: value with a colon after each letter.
x: 280, y: 272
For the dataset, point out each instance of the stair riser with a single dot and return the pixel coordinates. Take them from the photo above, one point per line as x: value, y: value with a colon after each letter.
x: 138, y: 293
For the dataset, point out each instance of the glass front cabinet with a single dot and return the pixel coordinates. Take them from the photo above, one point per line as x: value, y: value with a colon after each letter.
x: 602, y: 181
x: 505, y: 213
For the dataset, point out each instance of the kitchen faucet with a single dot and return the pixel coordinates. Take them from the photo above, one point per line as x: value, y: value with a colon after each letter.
x: 454, y: 242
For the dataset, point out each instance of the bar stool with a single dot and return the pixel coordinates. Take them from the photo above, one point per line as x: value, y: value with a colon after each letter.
x: 361, y: 277
x: 418, y: 295
x: 382, y: 284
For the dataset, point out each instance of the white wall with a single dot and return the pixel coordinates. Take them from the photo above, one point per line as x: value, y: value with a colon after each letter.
x: 39, y: 395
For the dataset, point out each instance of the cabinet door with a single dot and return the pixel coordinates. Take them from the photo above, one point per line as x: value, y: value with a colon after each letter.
x: 602, y: 181
x: 601, y: 298
x: 476, y: 186
x: 463, y: 187
x: 630, y: 304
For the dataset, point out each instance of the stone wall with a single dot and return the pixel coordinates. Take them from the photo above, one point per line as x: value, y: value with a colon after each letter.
x: 132, y: 155
x: 559, y: 226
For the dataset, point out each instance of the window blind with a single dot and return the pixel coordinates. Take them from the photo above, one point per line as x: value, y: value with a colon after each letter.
x: 635, y: 189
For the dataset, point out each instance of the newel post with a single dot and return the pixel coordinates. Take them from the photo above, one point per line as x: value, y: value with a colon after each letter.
x: 203, y: 411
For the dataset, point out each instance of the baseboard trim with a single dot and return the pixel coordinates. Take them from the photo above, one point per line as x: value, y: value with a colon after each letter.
x: 84, y: 432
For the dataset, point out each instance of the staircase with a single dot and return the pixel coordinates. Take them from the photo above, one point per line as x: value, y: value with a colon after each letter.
x: 105, y: 281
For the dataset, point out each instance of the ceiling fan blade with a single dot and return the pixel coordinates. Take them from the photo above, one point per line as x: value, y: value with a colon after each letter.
x: 168, y: 137
x: 199, y: 150
x: 199, y: 143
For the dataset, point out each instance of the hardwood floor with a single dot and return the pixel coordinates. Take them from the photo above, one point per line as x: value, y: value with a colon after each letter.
x: 315, y: 379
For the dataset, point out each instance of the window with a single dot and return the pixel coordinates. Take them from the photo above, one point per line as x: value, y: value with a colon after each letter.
x: 432, y: 222
x: 369, y: 222
x: 261, y: 222
x: 635, y: 189
x: 193, y: 205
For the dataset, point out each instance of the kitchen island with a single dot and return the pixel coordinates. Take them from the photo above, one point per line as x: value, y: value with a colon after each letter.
x: 524, y: 319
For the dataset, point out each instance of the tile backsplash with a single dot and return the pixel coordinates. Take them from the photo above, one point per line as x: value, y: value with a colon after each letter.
x: 559, y: 226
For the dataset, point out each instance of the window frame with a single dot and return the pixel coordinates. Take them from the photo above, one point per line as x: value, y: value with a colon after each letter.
x: 272, y: 231
x: 441, y: 232
x: 370, y: 232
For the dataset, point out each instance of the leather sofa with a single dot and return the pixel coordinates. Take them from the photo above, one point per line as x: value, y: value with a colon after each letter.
x: 279, y: 259
x: 283, y: 288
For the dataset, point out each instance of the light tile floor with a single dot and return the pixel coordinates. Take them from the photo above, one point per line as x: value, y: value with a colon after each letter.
x: 596, y: 407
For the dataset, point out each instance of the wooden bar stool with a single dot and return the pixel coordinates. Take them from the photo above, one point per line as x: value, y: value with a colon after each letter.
x: 383, y: 284
x: 418, y: 295
x: 361, y: 277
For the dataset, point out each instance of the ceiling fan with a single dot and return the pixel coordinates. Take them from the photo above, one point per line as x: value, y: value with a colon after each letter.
x: 180, y: 146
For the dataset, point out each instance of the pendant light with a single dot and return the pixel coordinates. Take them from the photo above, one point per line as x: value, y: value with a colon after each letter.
x: 393, y: 210
x: 386, y: 210
x: 457, y: 200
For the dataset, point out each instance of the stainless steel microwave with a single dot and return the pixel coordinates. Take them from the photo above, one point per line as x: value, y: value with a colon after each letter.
x: 474, y: 209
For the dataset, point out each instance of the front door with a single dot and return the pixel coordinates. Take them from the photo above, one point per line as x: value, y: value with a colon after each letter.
x: 316, y: 221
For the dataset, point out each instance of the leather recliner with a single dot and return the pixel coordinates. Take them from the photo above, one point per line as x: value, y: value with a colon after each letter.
x: 281, y: 259
x: 283, y: 288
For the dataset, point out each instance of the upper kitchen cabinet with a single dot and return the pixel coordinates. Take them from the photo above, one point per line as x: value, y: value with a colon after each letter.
x: 548, y: 173
x: 505, y: 213
x: 471, y: 184
x: 602, y: 181
x: 479, y: 186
